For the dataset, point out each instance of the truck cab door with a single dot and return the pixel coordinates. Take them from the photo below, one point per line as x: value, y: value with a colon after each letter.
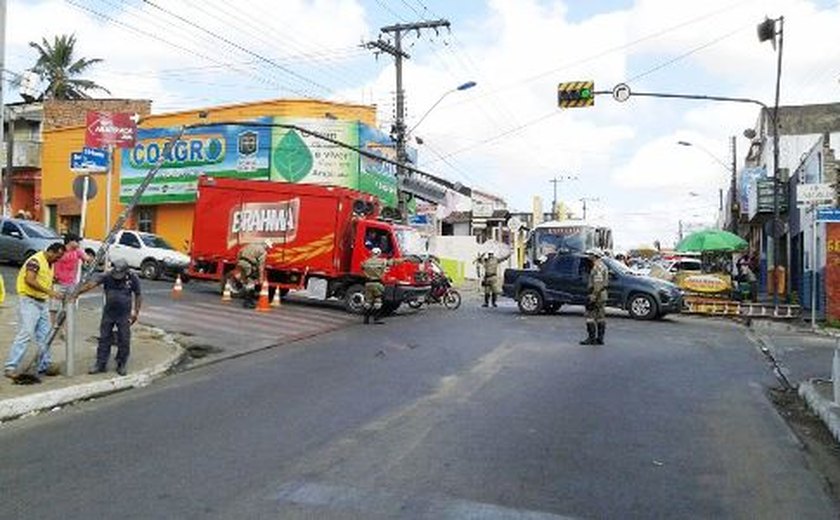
x: 559, y: 278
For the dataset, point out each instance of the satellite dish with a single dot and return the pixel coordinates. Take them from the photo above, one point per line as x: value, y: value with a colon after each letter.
x: 29, y: 82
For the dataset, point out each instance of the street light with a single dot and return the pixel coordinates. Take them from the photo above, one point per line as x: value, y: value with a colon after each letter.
x: 464, y: 86
x: 400, y: 136
x: 769, y: 30
x: 732, y: 169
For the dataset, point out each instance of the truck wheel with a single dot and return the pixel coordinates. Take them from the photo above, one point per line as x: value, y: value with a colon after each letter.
x: 642, y: 307
x: 150, y: 269
x: 530, y: 301
x: 354, y: 299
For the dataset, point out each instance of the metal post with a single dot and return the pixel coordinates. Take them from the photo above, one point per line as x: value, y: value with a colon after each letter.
x: 70, y: 344
x: 84, y: 205
x: 108, y: 188
x: 7, y: 173
x: 814, y: 267
x: 399, y: 127
x: 10, y: 152
x: 776, y: 181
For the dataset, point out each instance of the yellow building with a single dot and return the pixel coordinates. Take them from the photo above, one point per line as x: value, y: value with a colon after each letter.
x: 165, y: 214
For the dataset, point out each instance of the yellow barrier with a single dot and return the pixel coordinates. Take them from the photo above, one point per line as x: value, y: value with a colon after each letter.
x: 2, y: 291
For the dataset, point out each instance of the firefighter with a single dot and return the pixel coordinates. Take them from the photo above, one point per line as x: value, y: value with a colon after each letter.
x: 374, y: 269
x: 490, y: 279
x: 599, y: 279
x: 251, y: 264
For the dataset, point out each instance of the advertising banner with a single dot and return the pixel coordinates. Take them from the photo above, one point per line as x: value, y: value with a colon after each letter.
x: 223, y: 151
x: 377, y: 177
x: 104, y: 129
x: 832, y: 270
x: 747, y: 177
x: 300, y: 158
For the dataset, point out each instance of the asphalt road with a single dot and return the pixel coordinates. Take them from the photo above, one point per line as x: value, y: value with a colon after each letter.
x: 478, y: 413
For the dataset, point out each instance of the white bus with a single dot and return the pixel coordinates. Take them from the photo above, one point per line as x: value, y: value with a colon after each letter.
x: 566, y: 236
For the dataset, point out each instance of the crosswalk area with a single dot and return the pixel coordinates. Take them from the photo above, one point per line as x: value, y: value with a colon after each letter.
x: 231, y: 327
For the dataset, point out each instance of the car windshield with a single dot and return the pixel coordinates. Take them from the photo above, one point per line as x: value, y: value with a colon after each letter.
x: 154, y: 241
x: 33, y: 230
x: 616, y: 266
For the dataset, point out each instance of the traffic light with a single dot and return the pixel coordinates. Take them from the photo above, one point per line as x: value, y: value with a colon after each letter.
x: 576, y: 94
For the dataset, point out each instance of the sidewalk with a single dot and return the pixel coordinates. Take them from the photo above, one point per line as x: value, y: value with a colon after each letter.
x: 152, y: 354
x: 805, y: 358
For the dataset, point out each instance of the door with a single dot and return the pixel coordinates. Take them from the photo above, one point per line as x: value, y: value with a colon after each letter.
x: 11, y: 242
x: 560, y: 279
x: 129, y: 248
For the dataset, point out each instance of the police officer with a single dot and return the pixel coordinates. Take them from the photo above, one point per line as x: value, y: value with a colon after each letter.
x: 374, y: 269
x: 122, y: 307
x: 599, y: 279
x: 251, y: 264
x: 490, y: 279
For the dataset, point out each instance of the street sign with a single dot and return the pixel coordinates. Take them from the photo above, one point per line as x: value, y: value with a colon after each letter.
x: 89, y: 160
x: 828, y: 215
x: 106, y: 129
x: 79, y: 187
x: 621, y: 92
x: 807, y: 194
x: 96, y: 157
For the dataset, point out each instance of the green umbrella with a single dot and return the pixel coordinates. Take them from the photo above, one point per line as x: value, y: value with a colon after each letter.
x: 711, y: 240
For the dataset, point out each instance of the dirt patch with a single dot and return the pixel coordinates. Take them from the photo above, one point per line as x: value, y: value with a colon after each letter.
x: 200, y: 351
x: 822, y: 449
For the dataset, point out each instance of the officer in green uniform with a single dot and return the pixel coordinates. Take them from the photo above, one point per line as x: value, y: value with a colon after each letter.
x: 599, y: 279
x: 490, y: 280
x: 374, y: 269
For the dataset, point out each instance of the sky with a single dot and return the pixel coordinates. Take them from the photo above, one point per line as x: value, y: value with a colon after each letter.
x: 506, y: 135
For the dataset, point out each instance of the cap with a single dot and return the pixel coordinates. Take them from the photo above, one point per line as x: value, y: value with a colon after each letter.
x: 119, y: 268
x: 376, y: 251
x: 268, y: 243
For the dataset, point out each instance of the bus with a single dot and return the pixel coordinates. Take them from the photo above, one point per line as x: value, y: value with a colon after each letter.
x: 566, y: 236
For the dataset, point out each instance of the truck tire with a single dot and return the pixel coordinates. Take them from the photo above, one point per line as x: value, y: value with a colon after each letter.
x: 642, y: 307
x: 530, y: 301
x: 354, y: 299
x: 150, y: 269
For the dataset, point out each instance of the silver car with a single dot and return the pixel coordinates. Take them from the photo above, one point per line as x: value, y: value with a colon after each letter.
x: 20, y: 239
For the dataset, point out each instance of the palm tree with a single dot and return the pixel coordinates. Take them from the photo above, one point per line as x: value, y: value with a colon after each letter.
x: 57, y: 67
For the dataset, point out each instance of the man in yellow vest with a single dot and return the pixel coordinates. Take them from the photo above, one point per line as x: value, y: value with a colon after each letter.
x: 34, y: 289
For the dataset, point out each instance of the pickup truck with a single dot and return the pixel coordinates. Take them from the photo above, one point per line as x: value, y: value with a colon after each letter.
x: 562, y: 279
x: 147, y: 252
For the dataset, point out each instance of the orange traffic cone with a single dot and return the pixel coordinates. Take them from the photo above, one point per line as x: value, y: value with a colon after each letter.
x: 262, y: 303
x: 275, y: 302
x: 178, y: 288
x: 226, y: 293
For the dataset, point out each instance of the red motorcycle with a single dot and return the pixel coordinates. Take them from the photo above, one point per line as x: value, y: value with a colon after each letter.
x: 441, y: 292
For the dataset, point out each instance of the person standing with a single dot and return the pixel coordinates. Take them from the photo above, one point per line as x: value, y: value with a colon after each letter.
x: 599, y: 279
x: 122, y: 307
x: 67, y: 270
x: 490, y: 278
x: 251, y: 263
x: 374, y: 269
x: 35, y: 288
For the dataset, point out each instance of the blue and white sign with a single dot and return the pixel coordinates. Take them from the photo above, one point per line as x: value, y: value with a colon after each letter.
x: 89, y: 160
x: 828, y: 215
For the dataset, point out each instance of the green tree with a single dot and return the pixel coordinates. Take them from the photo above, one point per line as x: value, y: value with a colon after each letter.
x: 57, y: 67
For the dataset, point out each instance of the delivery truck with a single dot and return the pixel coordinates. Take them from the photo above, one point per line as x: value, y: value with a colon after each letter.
x: 320, y: 236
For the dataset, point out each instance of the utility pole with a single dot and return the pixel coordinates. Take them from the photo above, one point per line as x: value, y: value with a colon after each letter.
x: 5, y: 177
x: 398, y: 130
x: 584, y: 200
x: 555, y: 181
x: 681, y: 230
x: 734, y: 209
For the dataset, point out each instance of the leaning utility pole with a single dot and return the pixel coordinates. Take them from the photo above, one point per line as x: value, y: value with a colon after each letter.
x: 398, y: 130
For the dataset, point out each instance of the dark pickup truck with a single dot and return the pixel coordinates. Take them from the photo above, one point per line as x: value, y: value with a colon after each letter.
x: 562, y: 279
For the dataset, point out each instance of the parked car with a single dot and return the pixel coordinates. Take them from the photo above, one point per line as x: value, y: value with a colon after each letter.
x: 20, y: 239
x: 562, y: 279
x: 147, y: 252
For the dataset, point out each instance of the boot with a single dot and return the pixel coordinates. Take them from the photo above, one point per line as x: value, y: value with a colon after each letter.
x: 493, y: 299
x: 98, y: 368
x: 378, y: 314
x: 121, y: 369
x: 602, y: 327
x: 591, y: 331
x: 367, y: 316
x: 486, y: 300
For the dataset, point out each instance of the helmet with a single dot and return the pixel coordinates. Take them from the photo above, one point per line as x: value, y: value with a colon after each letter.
x: 268, y: 243
x: 376, y: 251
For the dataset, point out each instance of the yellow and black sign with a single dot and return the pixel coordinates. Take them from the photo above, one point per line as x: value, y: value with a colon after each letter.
x: 576, y: 94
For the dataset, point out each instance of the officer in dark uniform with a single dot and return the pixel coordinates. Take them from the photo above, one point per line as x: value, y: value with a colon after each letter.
x: 122, y: 306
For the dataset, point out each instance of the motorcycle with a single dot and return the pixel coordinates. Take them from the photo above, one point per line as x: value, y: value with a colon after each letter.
x: 441, y: 292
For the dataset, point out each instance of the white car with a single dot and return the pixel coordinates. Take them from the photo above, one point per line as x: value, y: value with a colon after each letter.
x: 147, y: 252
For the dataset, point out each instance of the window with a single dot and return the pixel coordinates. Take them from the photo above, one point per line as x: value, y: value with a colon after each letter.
x: 130, y: 240
x: 146, y: 219
x: 8, y: 228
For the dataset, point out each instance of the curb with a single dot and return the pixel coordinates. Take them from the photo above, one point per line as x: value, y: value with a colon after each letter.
x: 827, y: 410
x: 757, y: 324
x: 31, y: 404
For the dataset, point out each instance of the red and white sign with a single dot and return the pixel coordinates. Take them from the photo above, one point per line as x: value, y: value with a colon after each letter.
x: 106, y: 129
